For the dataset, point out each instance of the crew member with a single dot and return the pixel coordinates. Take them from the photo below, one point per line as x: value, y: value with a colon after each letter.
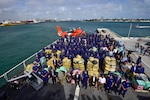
x: 133, y: 69
x: 53, y: 76
x: 117, y: 83
x: 124, y: 87
x: 35, y: 69
x: 101, y: 82
x: 77, y: 78
x: 140, y: 69
x: 93, y: 81
x: 55, y: 62
x: 44, y: 75
x: 109, y: 83
x: 139, y: 60
x: 85, y: 79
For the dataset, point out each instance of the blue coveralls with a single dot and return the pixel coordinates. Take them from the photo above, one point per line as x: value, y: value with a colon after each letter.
x: 44, y: 75
x: 134, y: 69
x: 35, y: 69
x: 140, y: 70
x: 125, y: 84
x: 109, y: 82
x: 117, y: 84
x: 85, y: 80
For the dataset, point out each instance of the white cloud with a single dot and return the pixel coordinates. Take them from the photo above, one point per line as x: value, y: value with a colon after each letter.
x: 7, y: 3
x: 76, y: 9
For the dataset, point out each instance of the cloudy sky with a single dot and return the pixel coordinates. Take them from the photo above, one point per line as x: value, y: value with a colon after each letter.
x: 74, y: 9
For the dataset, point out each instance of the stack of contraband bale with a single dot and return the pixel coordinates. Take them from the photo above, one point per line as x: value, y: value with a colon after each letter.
x: 78, y: 63
x: 109, y: 64
x: 50, y: 61
x: 48, y: 51
x: 58, y: 54
x: 66, y: 62
x: 29, y: 68
x: 93, y: 66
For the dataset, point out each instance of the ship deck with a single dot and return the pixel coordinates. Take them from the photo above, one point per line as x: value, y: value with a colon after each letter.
x: 66, y: 92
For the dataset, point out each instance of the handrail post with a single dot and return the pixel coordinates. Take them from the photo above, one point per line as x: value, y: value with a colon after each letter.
x: 24, y: 64
x: 5, y: 76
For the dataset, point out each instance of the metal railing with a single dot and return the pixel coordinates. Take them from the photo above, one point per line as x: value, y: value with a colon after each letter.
x: 19, y: 68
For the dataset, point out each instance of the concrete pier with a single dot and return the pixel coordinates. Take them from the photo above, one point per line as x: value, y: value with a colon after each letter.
x: 130, y: 45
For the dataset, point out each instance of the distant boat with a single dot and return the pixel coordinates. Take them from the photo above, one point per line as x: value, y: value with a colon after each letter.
x: 9, y: 23
x: 137, y: 26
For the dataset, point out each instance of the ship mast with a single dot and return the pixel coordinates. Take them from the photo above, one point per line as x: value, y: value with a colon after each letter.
x: 130, y: 30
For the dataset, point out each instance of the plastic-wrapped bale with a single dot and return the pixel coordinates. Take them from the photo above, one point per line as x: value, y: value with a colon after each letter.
x: 89, y: 63
x: 66, y: 63
x: 90, y: 73
x: 93, y: 64
x: 147, y: 85
x: 50, y: 63
x: 139, y: 84
x: 95, y: 69
x: 113, y: 64
x: 43, y: 61
x: 96, y: 63
x: 48, y: 51
x: 29, y: 68
x: 78, y: 63
x: 107, y: 60
x: 106, y: 71
x: 75, y: 63
x: 93, y: 72
x: 110, y: 64
x: 109, y: 68
x: 113, y: 61
x: 82, y: 69
x: 58, y: 54
x: 81, y: 65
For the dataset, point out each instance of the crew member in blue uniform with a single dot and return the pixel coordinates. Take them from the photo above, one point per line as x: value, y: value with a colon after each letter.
x: 139, y: 60
x: 140, y: 69
x: 35, y: 69
x: 44, y: 75
x: 109, y: 83
x: 124, y: 87
x: 117, y: 83
x: 85, y: 78
x: 133, y: 68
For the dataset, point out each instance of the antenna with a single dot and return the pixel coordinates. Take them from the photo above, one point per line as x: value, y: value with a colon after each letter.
x: 130, y: 30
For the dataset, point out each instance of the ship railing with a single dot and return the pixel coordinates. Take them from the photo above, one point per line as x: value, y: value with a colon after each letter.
x: 19, y: 68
